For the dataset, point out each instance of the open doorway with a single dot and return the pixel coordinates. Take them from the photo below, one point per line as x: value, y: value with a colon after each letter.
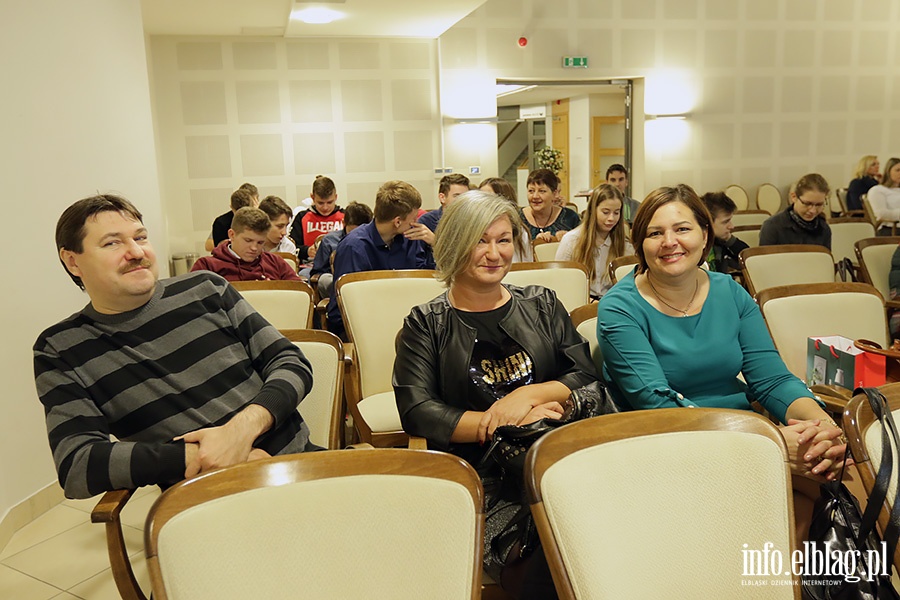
x: 589, y: 122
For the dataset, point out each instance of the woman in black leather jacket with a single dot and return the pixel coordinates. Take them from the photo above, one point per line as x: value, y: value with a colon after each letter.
x: 485, y: 354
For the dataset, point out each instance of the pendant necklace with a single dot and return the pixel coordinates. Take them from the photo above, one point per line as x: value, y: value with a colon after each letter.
x: 546, y: 223
x: 687, y: 308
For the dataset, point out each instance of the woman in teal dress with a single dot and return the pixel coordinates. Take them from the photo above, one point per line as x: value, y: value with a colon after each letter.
x: 674, y: 334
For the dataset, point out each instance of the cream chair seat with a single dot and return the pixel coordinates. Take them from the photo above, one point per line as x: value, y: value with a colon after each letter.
x: 284, y: 304
x: 375, y: 524
x: 373, y: 305
x: 568, y: 279
x: 660, y: 503
x: 769, y: 266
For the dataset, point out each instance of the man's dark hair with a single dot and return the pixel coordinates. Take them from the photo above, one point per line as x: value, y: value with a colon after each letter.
x: 323, y: 187
x: 718, y: 203
x: 70, y: 229
x: 616, y: 168
x: 396, y: 199
x: 357, y: 213
x: 241, y: 198
x: 275, y: 207
x: 250, y: 218
x: 250, y: 188
x: 452, y: 179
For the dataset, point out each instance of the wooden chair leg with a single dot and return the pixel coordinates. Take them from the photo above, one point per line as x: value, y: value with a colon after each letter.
x: 107, y: 512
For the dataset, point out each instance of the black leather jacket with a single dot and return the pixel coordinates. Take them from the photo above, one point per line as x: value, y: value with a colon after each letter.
x: 434, y: 349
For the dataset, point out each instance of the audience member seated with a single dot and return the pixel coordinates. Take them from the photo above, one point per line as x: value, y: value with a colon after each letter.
x: 243, y: 196
x: 279, y: 214
x: 599, y: 239
x: 241, y: 257
x: 617, y: 175
x: 502, y: 187
x: 676, y: 335
x: 885, y: 197
x: 393, y: 240
x: 894, y: 282
x: 546, y: 221
x: 449, y: 189
x: 322, y: 217
x: 864, y: 178
x: 183, y: 372
x: 355, y: 214
x: 484, y: 354
x: 726, y: 249
x: 803, y: 221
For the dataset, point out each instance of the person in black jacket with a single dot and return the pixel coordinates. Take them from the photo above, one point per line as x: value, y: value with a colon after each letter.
x: 484, y: 354
x: 803, y: 221
x: 724, y: 255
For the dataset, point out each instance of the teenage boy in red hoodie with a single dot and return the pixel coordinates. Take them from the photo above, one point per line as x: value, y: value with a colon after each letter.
x: 241, y: 257
x: 324, y: 216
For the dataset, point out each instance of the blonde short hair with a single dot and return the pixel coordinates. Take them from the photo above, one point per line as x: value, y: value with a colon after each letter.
x: 463, y: 224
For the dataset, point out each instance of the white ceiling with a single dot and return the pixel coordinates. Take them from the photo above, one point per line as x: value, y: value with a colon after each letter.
x: 365, y: 18
x: 549, y: 91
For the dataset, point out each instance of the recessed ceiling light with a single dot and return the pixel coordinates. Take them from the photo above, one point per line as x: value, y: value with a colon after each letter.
x: 316, y: 15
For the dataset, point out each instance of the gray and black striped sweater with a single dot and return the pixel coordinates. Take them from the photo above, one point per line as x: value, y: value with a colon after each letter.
x: 192, y: 357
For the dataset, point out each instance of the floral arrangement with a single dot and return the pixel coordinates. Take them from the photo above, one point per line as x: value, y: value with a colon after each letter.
x: 549, y: 158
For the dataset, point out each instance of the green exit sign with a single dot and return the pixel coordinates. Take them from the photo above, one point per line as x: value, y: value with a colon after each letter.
x: 575, y: 61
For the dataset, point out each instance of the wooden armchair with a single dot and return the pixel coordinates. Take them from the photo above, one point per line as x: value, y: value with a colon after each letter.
x: 770, y: 266
x: 794, y: 313
x: 284, y: 304
x: 568, y: 279
x: 874, y: 257
x: 604, y: 491
x: 373, y: 305
x: 322, y: 525
x: 621, y: 266
x: 544, y: 251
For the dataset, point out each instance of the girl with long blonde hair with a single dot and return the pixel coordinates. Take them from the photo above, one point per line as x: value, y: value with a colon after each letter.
x: 599, y: 239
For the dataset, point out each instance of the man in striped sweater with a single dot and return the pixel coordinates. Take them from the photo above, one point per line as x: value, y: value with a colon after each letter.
x: 183, y: 372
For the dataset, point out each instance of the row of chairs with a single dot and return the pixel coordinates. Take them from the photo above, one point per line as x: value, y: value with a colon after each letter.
x: 333, y: 525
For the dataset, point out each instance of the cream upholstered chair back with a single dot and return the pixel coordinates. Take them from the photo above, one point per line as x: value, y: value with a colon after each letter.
x: 749, y: 217
x: 749, y: 234
x: 373, y: 305
x: 614, y: 494
x: 567, y: 278
x: 545, y: 252
x: 794, y: 313
x: 863, y: 433
x: 739, y: 195
x: 338, y: 524
x: 845, y: 232
x: 768, y: 198
x: 622, y: 266
x: 322, y: 407
x: 584, y: 318
x: 874, y: 256
x: 284, y: 304
x: 769, y: 266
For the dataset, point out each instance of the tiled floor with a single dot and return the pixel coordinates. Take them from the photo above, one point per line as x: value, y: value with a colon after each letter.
x: 62, y: 555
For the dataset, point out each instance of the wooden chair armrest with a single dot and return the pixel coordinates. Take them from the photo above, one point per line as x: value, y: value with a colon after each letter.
x: 107, y: 511
x: 360, y: 446
x: 892, y: 303
x: 110, y: 505
x: 418, y: 443
x: 834, y: 397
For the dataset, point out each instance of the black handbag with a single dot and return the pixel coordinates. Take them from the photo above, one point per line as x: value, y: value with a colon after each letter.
x: 837, y: 525
x: 509, y: 445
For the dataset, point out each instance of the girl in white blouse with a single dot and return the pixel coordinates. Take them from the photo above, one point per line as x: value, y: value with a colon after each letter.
x: 885, y: 197
x: 599, y: 239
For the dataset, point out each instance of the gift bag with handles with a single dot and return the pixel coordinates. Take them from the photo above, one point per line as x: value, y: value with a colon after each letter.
x: 836, y: 360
